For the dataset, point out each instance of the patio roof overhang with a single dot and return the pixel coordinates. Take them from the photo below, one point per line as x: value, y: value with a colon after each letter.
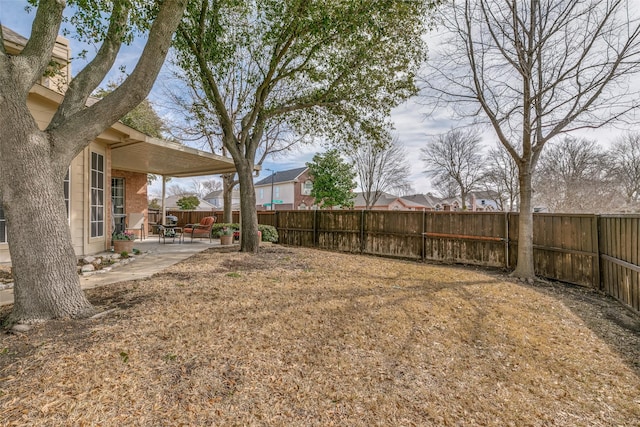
x: 133, y: 151
x: 140, y: 153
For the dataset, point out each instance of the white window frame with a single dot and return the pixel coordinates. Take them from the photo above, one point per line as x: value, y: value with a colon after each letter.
x: 307, y: 186
x: 96, y: 195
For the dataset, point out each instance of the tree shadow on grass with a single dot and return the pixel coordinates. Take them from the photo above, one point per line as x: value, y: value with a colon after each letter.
x: 615, y: 324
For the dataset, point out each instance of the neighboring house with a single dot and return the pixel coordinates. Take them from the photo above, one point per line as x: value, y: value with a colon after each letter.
x: 429, y: 201
x: 216, y: 198
x: 389, y: 202
x: 171, y: 204
x: 107, y: 181
x: 288, y: 190
x: 477, y: 201
x: 484, y: 201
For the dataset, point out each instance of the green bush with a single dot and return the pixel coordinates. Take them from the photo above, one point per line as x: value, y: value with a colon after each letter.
x: 216, y: 230
x: 269, y: 233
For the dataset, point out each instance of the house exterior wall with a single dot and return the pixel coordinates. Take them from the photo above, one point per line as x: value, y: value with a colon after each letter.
x: 486, y: 204
x: 42, y: 110
x: 289, y: 192
x: 301, y: 199
x: 263, y: 195
x: 135, y: 192
x: 218, y: 201
x: 92, y: 245
x: 281, y: 191
x: 396, y: 206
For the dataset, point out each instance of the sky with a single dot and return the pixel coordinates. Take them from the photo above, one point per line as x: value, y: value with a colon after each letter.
x: 413, y: 126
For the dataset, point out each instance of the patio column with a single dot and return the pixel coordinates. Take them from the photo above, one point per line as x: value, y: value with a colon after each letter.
x: 163, y: 209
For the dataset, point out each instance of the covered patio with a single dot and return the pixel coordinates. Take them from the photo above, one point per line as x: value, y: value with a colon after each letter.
x: 134, y: 155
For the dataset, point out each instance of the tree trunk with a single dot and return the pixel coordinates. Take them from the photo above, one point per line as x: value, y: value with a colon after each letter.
x: 227, y: 194
x: 524, y: 267
x: 46, y: 283
x: 249, y: 225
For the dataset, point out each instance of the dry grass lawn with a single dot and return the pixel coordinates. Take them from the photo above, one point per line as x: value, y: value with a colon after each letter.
x: 301, y: 337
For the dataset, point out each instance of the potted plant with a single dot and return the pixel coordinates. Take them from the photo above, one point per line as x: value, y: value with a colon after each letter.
x: 226, y: 236
x: 123, y: 241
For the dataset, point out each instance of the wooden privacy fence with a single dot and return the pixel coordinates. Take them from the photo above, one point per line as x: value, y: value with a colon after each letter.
x: 601, y: 252
x: 188, y: 217
x: 620, y: 258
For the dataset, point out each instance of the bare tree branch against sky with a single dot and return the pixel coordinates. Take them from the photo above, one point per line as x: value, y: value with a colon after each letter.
x: 414, y: 123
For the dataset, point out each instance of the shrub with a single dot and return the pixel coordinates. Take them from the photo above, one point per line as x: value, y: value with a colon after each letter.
x: 269, y: 233
x: 188, y: 203
x: 216, y: 230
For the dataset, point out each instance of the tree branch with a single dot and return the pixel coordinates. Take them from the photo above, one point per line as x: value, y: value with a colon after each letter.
x: 86, y: 124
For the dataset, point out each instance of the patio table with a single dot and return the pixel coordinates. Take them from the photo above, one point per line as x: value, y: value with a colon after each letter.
x: 170, y: 232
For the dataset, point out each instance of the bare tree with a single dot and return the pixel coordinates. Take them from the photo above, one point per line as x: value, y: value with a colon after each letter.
x: 446, y: 187
x: 572, y: 176
x: 198, y: 122
x: 455, y: 156
x: 625, y: 156
x: 203, y: 188
x: 501, y: 178
x: 534, y: 69
x: 179, y: 190
x: 381, y: 168
x: 196, y: 187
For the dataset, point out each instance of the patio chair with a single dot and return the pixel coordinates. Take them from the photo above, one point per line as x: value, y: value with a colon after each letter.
x: 202, y: 229
x: 135, y: 222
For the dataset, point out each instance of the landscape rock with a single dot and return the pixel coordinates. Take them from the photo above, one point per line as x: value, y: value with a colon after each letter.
x: 88, y: 268
x: 88, y: 259
x: 20, y: 327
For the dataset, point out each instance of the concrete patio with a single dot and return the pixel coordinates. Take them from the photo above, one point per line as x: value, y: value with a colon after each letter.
x: 155, y: 257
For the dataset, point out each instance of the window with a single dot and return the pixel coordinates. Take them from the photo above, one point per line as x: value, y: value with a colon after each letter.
x: 97, y: 195
x: 67, y: 191
x: 307, y: 186
x: 3, y: 227
x: 261, y: 194
x: 117, y: 204
x: 276, y: 192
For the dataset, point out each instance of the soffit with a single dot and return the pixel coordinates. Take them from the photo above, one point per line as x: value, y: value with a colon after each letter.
x: 167, y: 158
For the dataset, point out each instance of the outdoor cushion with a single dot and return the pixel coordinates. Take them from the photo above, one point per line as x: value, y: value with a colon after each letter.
x: 202, y: 229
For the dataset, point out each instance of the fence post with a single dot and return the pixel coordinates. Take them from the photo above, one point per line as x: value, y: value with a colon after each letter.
x: 596, y: 230
x: 423, y: 240
x: 315, y: 228
x: 362, y: 214
x: 506, y: 239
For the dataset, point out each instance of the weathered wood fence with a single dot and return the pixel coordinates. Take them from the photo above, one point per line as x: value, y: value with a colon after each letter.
x: 601, y: 252
x: 188, y: 217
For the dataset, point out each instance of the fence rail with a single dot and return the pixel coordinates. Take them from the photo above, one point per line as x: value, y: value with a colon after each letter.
x: 601, y: 252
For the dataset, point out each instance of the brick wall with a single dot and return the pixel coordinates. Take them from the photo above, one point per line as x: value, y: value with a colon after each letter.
x: 298, y: 196
x: 135, y: 192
